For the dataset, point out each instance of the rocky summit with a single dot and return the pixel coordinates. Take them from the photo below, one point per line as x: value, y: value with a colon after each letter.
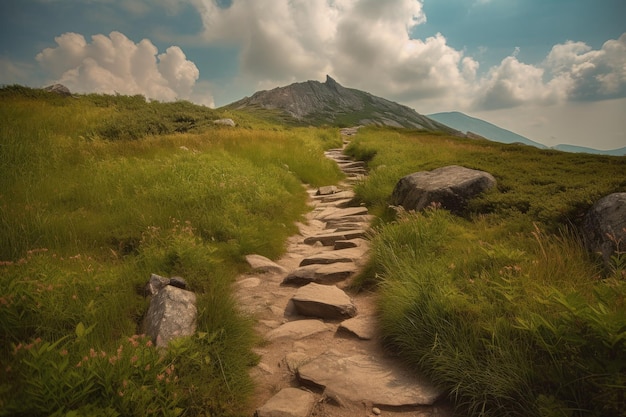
x: 316, y: 103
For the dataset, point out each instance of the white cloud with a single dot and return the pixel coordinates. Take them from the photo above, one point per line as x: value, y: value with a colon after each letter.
x: 114, y: 63
x: 366, y: 44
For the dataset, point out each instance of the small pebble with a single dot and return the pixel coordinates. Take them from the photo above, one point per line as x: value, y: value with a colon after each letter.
x: 376, y: 411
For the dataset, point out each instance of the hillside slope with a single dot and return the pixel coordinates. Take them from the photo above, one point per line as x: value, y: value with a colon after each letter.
x: 315, y: 103
x: 465, y: 124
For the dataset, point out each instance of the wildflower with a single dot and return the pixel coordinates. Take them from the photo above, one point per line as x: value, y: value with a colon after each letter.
x: 120, y: 393
x: 64, y: 352
x: 134, y: 359
x: 149, y: 343
x: 74, y: 297
x: 147, y: 367
x: 92, y: 353
x: 160, y: 377
x: 125, y: 383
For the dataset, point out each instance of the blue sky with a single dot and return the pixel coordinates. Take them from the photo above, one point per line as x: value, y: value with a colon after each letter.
x: 552, y: 70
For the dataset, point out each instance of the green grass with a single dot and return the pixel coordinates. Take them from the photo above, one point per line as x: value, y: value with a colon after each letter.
x: 502, y: 307
x: 99, y: 192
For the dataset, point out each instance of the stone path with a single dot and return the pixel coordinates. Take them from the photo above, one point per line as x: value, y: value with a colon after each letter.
x: 322, y: 356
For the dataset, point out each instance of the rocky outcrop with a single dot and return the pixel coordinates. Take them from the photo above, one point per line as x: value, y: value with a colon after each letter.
x: 225, y: 122
x: 312, y: 102
x: 604, y: 227
x: 172, y: 313
x: 451, y: 187
x: 59, y: 89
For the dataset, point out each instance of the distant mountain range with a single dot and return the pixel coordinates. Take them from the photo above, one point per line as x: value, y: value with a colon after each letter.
x: 473, y: 126
x: 316, y: 103
x: 330, y: 103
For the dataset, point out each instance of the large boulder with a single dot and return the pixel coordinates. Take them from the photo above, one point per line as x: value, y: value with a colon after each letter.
x: 450, y: 186
x: 172, y: 313
x: 604, y: 226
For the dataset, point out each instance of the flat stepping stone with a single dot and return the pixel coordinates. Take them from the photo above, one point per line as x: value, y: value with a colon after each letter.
x: 362, y: 378
x: 296, y: 359
x: 297, y: 330
x: 334, y: 223
x: 345, y: 244
x: 331, y: 257
x: 330, y: 189
x: 329, y: 239
x: 339, y: 213
x: 362, y: 327
x: 321, y: 274
x: 346, y: 194
x: 289, y: 402
x: 263, y: 264
x: 352, y: 164
x: 323, y: 301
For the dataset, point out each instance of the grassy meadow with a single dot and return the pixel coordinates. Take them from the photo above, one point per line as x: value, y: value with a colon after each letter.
x: 501, y: 306
x: 97, y: 193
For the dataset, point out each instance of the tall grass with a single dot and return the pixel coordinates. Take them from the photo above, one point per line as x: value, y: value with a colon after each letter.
x: 503, y: 308
x: 88, y: 212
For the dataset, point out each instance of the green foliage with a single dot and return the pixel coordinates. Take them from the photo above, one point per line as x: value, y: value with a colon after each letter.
x: 510, y: 327
x: 504, y: 308
x: 87, y: 214
x: 534, y: 185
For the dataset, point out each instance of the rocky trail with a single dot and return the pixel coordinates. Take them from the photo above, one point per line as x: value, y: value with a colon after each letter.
x: 322, y: 355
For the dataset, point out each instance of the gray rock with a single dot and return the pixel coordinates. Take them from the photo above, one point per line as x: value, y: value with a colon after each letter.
x: 345, y: 244
x: 450, y: 186
x: 289, y: 402
x: 296, y: 359
x: 59, y: 89
x: 323, y: 301
x: 172, y: 313
x: 263, y: 264
x: 329, y: 239
x: 605, y: 225
x: 321, y: 274
x: 225, y: 122
x: 178, y: 282
x: 156, y: 284
x: 336, y: 256
x: 362, y: 327
x: 330, y: 189
x: 340, y: 213
x: 362, y: 378
x: 298, y: 329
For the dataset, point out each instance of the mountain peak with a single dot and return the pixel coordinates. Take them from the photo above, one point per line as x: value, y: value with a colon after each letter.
x: 316, y: 103
x: 330, y: 80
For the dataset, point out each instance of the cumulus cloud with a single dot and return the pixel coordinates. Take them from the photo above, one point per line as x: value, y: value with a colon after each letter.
x: 572, y: 71
x: 363, y: 43
x: 114, y: 63
x: 367, y: 44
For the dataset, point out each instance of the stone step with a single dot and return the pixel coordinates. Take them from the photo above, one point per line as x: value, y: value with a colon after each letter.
x: 323, y: 301
x: 298, y: 329
x: 333, y: 214
x: 336, y: 256
x: 320, y: 273
x: 351, y: 164
x: 288, y: 402
x: 329, y: 239
x: 367, y: 379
